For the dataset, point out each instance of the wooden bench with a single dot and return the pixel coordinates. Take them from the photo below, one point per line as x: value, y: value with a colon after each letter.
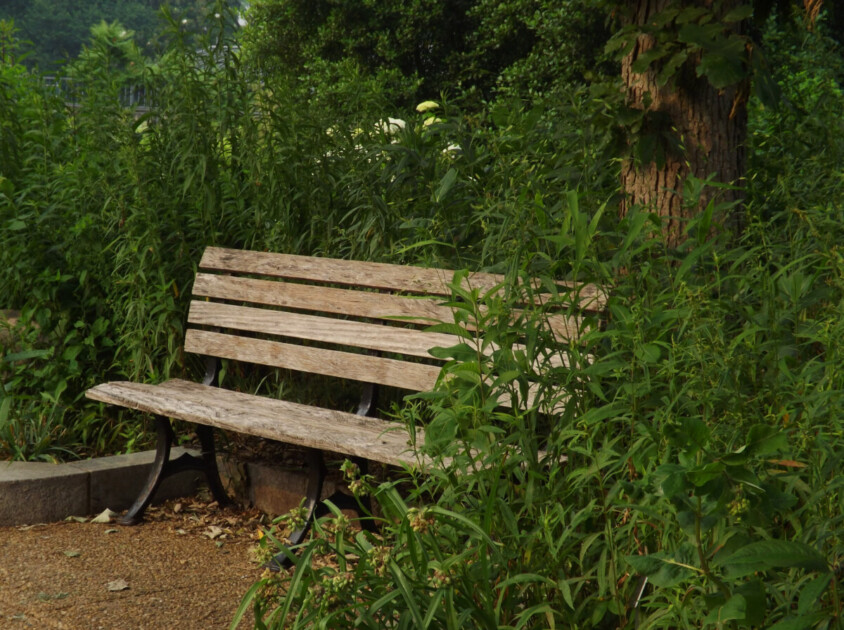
x: 351, y: 320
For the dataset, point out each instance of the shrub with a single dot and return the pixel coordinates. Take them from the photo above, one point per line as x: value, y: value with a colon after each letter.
x: 700, y: 432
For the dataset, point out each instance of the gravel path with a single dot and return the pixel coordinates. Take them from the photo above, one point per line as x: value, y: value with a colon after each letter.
x: 187, y: 566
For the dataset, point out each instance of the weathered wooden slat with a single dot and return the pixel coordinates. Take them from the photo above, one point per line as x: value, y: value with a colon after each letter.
x: 359, y: 367
x: 388, y: 307
x: 313, y: 328
x: 324, y: 299
x: 341, y: 332
x: 329, y: 270
x: 403, y: 278
x: 302, y: 425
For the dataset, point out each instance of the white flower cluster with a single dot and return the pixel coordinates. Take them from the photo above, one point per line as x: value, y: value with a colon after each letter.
x: 393, y: 127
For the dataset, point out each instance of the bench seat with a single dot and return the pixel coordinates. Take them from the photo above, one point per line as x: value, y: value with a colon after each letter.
x: 293, y: 423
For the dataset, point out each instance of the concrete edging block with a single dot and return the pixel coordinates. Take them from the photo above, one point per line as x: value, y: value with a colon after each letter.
x: 36, y: 492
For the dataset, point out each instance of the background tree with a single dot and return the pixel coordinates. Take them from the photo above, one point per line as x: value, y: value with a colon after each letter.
x: 688, y: 68
x: 419, y: 49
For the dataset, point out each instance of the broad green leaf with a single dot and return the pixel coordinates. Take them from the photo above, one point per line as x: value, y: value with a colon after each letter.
x: 460, y: 352
x: 734, y: 608
x: 27, y: 354
x: 764, y: 439
x: 773, y: 554
x: 649, y: 353
x: 674, y: 481
x: 706, y: 473
x: 446, y: 184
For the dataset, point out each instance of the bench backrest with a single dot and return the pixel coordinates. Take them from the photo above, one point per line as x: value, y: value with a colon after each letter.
x: 317, y: 315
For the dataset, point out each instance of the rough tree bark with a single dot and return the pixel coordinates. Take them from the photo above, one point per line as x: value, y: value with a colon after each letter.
x: 709, y: 124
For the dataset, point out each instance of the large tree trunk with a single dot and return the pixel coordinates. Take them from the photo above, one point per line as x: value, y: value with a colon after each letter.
x: 709, y: 127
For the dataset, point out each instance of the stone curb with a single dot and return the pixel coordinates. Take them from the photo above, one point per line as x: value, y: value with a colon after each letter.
x: 36, y: 492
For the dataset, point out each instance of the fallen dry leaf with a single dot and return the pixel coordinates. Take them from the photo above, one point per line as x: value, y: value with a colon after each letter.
x: 117, y: 585
x: 214, y: 532
x: 788, y: 463
x: 104, y: 517
x: 72, y: 553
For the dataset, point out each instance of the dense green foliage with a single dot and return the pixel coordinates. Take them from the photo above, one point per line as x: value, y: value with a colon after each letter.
x: 701, y: 427
x: 420, y: 49
x: 57, y: 29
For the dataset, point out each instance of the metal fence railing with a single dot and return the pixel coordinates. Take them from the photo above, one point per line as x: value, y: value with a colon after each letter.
x: 131, y: 96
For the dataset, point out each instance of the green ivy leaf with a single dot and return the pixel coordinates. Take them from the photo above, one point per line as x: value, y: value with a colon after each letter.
x: 669, y: 69
x: 720, y: 71
x: 644, y: 61
x: 699, y: 36
x: 691, y: 14
x: 723, y: 62
x: 738, y: 14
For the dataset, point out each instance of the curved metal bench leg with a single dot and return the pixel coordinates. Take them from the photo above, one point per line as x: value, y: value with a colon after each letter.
x: 156, y: 474
x: 316, y: 478
x: 316, y: 508
x: 163, y: 467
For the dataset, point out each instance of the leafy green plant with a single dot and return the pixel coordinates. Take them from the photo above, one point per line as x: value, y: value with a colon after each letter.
x: 698, y: 433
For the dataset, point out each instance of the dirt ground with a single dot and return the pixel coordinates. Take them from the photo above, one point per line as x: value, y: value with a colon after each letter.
x: 187, y: 566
